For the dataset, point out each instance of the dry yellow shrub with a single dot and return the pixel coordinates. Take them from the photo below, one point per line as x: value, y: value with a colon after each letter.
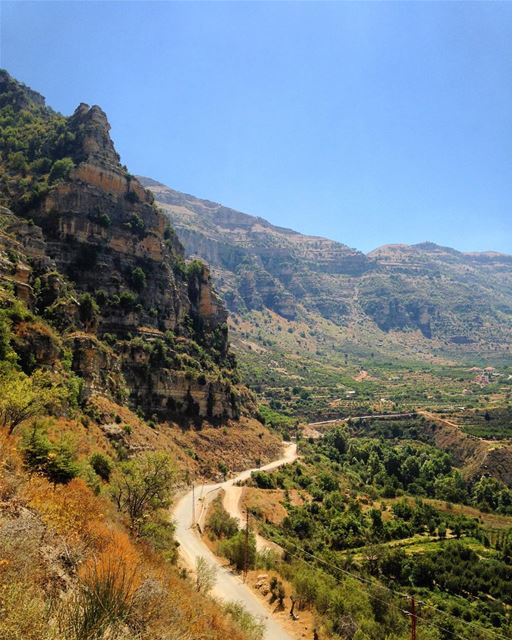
x: 70, y: 510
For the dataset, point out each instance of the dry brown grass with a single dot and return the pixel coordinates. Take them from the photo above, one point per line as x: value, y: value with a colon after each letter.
x: 68, y: 569
x: 268, y: 503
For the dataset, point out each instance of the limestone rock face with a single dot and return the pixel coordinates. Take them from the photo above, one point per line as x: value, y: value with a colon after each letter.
x: 94, y: 144
x: 98, y: 365
x: 450, y: 297
x: 90, y: 252
x: 258, y: 265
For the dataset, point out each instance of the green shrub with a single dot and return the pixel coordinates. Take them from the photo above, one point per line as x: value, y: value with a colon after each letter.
x: 220, y: 524
x: 56, y: 461
x: 127, y: 300
x: 253, y: 628
x: 60, y: 170
x: 237, y: 552
x: 138, y: 279
x: 102, y: 465
x: 88, y: 309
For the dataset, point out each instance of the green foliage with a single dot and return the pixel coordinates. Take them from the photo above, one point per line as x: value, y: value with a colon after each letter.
x: 236, y: 550
x: 137, y: 225
x: 443, y: 555
x: 253, y: 628
x: 100, y: 218
x: 24, y: 397
x: 279, y: 421
x: 263, y: 480
x: 60, y: 170
x: 220, y: 524
x: 158, y: 531
x: 143, y: 485
x: 55, y: 460
x: 102, y: 465
x: 132, y: 197
x: 7, y: 353
x: 138, y: 279
x: 205, y: 575
x: 195, y: 269
x: 89, y: 309
x: 127, y: 300
x: 490, y: 494
x: 277, y: 591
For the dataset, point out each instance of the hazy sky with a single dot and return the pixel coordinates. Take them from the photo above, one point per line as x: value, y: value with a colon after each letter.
x: 369, y: 123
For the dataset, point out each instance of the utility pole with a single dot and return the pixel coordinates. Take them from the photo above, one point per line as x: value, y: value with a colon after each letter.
x: 246, y: 548
x: 193, y: 505
x: 413, y: 618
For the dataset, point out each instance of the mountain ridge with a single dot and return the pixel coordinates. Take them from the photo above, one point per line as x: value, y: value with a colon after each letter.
x: 460, y: 298
x: 424, y: 244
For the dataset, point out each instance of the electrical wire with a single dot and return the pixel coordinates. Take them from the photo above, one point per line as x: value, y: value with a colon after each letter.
x: 371, y: 582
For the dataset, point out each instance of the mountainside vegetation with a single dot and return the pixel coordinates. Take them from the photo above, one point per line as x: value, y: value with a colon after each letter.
x: 365, y: 523
x: 120, y: 388
x: 323, y: 331
x: 460, y: 302
x: 117, y: 388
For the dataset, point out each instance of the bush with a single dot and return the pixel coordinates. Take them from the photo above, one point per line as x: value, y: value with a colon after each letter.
x: 24, y: 397
x: 263, y: 480
x: 137, y: 225
x: 56, y: 461
x: 220, y: 524
x: 60, y: 170
x: 103, y: 603
x: 138, y: 278
x: 205, y: 575
x: 88, y: 309
x: 102, y: 465
x: 142, y: 486
x: 132, y: 197
x: 127, y: 300
x: 234, y: 549
x: 252, y: 627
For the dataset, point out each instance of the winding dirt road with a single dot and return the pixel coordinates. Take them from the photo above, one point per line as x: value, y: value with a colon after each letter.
x: 229, y: 586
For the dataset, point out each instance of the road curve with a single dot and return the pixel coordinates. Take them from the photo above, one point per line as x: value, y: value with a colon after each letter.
x: 229, y: 586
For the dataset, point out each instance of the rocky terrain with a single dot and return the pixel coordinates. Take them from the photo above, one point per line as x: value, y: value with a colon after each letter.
x: 85, y: 249
x: 458, y: 303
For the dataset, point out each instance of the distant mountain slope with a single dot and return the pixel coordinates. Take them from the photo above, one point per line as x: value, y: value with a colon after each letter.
x: 462, y: 302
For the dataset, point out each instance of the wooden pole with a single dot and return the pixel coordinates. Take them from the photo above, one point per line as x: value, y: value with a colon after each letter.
x: 193, y: 505
x: 413, y: 618
x: 246, y: 549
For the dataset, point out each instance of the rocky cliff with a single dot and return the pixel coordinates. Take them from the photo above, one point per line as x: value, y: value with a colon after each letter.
x: 84, y: 246
x: 461, y: 302
x: 260, y: 265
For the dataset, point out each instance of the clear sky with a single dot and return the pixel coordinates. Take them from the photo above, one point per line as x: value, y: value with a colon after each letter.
x: 369, y: 123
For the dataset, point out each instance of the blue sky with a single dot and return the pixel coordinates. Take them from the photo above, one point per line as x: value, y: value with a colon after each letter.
x: 369, y: 123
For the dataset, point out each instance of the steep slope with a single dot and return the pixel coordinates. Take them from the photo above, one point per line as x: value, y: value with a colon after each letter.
x: 264, y: 266
x: 461, y: 301
x: 461, y: 297
x: 86, y: 248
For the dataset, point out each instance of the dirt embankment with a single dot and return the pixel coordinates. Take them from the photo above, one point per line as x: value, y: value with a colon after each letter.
x: 475, y: 456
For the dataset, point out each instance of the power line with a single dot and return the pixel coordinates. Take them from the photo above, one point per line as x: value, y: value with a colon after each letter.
x: 371, y: 582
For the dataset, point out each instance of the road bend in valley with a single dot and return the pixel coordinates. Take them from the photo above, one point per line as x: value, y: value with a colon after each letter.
x: 229, y: 586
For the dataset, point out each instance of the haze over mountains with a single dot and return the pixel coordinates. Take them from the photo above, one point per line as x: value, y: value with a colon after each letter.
x: 460, y: 303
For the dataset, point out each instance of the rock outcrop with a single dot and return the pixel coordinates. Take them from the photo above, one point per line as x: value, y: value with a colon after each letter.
x: 87, y: 249
x: 462, y: 301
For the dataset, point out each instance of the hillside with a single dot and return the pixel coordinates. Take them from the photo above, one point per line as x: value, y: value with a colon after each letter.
x: 118, y: 388
x: 320, y: 327
x: 85, y: 248
x: 457, y: 298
